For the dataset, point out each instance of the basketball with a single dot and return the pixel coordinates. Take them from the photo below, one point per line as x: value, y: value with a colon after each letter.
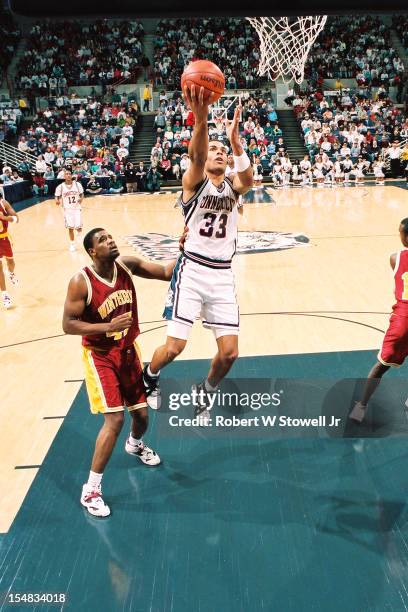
x: 204, y: 73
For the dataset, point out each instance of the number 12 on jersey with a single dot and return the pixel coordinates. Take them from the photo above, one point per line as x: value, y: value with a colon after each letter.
x: 214, y: 222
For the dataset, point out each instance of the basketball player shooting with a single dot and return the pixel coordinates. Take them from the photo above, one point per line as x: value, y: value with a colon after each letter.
x: 202, y: 284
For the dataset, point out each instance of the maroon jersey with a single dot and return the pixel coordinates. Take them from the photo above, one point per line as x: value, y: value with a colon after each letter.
x: 107, y: 300
x: 401, y: 283
x: 3, y: 224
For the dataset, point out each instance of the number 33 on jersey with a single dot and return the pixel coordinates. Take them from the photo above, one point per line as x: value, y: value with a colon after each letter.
x: 211, y: 216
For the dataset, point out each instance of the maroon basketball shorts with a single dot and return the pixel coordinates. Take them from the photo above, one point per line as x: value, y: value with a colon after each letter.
x: 114, y: 379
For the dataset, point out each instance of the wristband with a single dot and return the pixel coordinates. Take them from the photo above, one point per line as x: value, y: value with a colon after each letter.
x: 241, y: 162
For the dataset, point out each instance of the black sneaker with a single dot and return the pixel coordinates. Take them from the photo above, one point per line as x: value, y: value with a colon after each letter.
x: 152, y: 388
x: 202, y: 406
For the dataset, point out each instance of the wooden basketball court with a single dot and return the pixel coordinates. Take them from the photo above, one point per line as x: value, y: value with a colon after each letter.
x: 258, y: 515
x: 332, y: 295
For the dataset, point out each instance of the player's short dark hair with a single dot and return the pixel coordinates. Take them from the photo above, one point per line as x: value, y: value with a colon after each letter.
x: 88, y: 239
x: 404, y: 224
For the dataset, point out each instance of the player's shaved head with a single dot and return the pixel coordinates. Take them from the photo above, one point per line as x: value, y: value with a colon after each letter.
x: 88, y: 239
x: 404, y: 225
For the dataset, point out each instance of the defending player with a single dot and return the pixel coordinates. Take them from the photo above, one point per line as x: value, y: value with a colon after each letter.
x: 203, y: 283
x: 101, y: 307
x: 7, y: 215
x: 394, y: 348
x: 70, y: 194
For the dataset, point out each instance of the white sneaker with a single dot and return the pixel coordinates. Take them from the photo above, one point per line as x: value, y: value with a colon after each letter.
x: 358, y: 412
x: 7, y: 301
x: 145, y: 454
x: 91, y: 499
x: 13, y: 279
x: 72, y: 247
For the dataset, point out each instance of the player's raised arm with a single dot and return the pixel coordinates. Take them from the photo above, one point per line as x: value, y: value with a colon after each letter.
x: 149, y: 269
x: 74, y: 307
x: 243, y: 179
x: 198, y: 148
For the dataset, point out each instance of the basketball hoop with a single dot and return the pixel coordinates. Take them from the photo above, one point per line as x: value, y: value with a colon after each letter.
x: 285, y: 44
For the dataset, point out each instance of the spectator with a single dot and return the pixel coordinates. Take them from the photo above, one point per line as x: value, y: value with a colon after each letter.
x: 147, y: 96
x: 394, y: 153
x: 93, y: 186
x: 141, y: 175
x: 130, y: 178
x: 184, y: 163
x: 40, y: 165
x: 39, y: 187
x: 153, y: 180
x: 115, y: 185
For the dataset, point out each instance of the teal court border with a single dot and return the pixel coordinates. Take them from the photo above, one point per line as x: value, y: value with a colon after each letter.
x: 224, y: 524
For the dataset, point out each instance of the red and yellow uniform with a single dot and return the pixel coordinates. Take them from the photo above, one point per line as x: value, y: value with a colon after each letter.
x: 6, y: 249
x: 394, y: 348
x: 113, y: 367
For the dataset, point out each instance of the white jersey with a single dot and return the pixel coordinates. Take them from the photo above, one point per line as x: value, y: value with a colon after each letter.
x: 212, y: 219
x: 70, y: 195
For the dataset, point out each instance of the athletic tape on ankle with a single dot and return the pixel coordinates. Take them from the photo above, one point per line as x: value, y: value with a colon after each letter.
x: 241, y: 162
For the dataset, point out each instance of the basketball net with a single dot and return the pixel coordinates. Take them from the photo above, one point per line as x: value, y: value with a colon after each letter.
x: 285, y: 44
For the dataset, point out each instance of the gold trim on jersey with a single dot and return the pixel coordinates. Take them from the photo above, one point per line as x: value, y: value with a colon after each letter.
x: 110, y: 284
x: 392, y: 365
x: 94, y: 388
x: 89, y: 286
x: 124, y: 266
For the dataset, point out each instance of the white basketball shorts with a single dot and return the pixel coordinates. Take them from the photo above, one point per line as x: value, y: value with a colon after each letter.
x: 73, y: 218
x: 201, y: 291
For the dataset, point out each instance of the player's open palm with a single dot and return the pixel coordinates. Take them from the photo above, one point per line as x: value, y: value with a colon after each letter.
x: 194, y: 98
x: 121, y: 322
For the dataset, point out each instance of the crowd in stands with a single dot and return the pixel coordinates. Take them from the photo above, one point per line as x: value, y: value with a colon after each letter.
x: 261, y: 136
x: 400, y: 24
x: 9, y: 37
x: 10, y: 119
x: 355, y: 47
x: 349, y: 134
x: 230, y: 43
x: 61, y: 54
x: 90, y: 137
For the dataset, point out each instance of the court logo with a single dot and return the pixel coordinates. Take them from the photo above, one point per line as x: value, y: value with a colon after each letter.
x: 162, y: 246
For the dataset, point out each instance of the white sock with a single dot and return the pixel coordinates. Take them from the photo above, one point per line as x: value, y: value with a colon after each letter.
x: 208, y: 387
x: 150, y: 373
x: 135, y: 441
x: 4, y: 293
x: 94, y: 479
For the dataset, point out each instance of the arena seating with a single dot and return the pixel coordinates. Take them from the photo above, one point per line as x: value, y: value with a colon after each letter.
x: 400, y: 24
x: 366, y: 128
x: 355, y: 47
x: 9, y: 37
x: 230, y: 43
x: 71, y: 53
x: 88, y: 136
x: 260, y: 135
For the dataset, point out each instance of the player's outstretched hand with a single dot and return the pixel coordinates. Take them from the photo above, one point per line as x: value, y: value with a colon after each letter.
x: 182, y: 238
x: 232, y: 126
x: 194, y: 98
x: 121, y: 322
